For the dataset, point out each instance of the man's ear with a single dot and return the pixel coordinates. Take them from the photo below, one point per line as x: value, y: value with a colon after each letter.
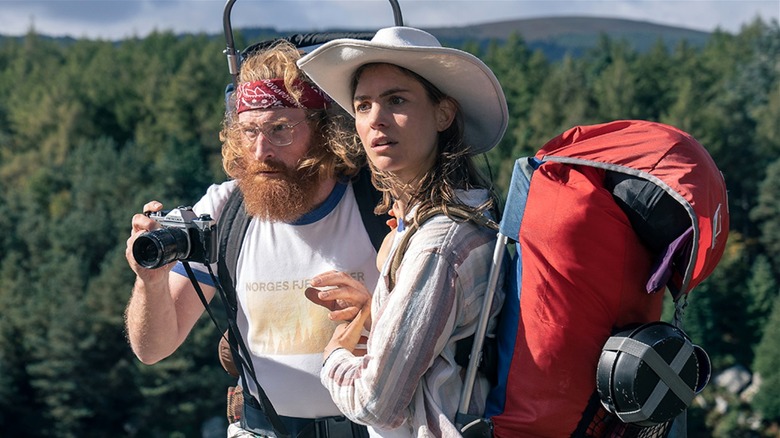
x: 445, y: 114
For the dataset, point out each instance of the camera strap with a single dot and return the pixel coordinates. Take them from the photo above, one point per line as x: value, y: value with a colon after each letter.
x: 239, y: 349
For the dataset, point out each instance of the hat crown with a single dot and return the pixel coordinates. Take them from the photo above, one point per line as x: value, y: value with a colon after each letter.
x: 399, y: 36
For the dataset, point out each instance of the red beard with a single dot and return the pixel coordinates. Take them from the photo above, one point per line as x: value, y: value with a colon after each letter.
x: 283, y: 197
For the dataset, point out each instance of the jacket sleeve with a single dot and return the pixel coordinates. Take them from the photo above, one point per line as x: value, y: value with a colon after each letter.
x: 411, y: 327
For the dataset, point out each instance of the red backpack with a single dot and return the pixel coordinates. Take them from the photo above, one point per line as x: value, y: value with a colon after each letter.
x: 604, y: 217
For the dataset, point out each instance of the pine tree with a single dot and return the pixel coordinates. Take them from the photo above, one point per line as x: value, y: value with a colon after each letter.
x: 763, y: 290
x: 767, y: 364
x: 766, y: 213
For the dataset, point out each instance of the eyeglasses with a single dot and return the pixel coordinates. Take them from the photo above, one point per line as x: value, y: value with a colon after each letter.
x: 277, y: 133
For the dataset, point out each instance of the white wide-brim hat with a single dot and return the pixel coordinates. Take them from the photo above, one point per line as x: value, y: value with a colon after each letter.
x: 458, y: 74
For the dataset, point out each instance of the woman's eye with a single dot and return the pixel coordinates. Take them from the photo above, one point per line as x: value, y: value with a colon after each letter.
x: 362, y: 107
x: 396, y: 100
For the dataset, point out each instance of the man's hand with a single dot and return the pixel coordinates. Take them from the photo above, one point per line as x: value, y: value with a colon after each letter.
x: 142, y: 224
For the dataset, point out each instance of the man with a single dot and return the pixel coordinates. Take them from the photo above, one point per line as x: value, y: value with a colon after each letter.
x: 304, y: 219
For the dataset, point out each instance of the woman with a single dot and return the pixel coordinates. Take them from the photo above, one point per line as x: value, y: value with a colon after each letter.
x: 421, y: 111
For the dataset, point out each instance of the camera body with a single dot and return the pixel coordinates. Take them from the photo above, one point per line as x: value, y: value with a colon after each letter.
x: 183, y: 236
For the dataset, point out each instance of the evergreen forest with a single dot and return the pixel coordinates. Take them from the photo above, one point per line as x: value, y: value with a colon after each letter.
x: 91, y: 130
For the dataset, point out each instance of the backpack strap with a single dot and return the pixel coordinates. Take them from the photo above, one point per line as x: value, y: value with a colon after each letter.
x: 232, y: 226
x: 451, y: 211
x: 367, y: 197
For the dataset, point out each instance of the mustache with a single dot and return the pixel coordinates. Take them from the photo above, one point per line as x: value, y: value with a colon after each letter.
x: 255, y: 167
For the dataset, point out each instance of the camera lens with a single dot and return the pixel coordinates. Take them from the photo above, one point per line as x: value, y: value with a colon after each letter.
x: 160, y: 247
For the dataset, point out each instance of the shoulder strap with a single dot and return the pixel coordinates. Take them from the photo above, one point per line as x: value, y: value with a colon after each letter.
x: 452, y: 210
x: 231, y: 226
x: 398, y: 255
x: 367, y: 197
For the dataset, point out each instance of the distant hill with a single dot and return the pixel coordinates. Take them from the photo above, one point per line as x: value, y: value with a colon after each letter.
x: 558, y: 35
x: 555, y: 36
x: 541, y: 29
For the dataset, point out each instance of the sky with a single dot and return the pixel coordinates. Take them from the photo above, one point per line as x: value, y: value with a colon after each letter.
x: 118, y: 19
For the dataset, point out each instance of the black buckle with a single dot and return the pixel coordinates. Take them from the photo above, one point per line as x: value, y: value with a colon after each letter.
x: 337, y: 427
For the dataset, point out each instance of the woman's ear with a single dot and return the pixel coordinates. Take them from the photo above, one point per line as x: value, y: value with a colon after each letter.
x: 445, y: 114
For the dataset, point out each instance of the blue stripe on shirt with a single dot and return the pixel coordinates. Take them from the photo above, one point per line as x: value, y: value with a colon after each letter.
x: 326, y: 207
x: 202, y: 277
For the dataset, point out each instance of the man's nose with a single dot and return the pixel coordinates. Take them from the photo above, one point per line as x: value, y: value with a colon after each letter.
x: 262, y: 148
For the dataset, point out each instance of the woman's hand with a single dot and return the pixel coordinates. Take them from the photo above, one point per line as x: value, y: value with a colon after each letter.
x: 341, y: 294
x: 348, y: 300
x: 348, y: 335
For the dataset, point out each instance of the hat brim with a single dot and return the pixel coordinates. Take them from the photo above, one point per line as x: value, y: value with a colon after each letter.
x: 457, y: 74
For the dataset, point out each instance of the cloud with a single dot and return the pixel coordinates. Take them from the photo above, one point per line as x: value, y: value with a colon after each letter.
x: 70, y: 12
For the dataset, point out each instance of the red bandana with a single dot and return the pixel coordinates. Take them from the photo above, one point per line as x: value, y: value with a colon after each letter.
x: 271, y: 93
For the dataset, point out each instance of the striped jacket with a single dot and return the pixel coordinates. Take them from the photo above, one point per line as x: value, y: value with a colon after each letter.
x: 408, y: 384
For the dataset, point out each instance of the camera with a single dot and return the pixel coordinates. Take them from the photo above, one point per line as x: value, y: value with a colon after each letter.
x: 184, y: 236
